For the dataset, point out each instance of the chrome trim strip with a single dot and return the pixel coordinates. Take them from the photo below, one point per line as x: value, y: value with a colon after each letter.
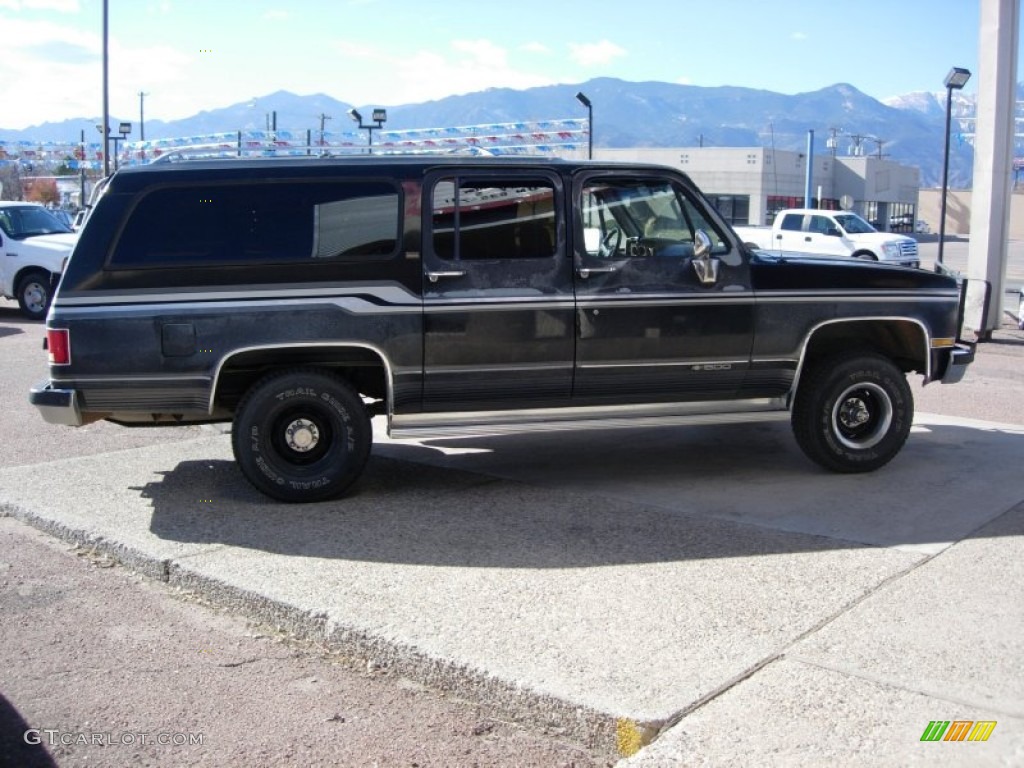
x: 448, y: 369
x: 690, y: 363
x: 194, y: 378
x: 796, y: 298
x: 433, y: 306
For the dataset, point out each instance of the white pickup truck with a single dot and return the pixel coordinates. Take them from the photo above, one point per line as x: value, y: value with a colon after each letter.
x: 831, y: 233
x: 34, y: 246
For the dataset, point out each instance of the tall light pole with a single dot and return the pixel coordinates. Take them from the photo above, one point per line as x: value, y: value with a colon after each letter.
x: 955, y: 80
x: 582, y: 99
x: 106, y: 97
x: 380, y: 116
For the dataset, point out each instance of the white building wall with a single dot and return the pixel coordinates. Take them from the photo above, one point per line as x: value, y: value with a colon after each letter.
x: 761, y: 173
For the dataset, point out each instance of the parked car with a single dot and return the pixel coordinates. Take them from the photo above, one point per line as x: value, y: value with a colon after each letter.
x: 831, y: 233
x: 298, y: 298
x: 34, y: 245
x: 903, y: 222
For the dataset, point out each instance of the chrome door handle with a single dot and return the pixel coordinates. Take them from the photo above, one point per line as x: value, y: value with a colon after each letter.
x: 435, y: 276
x: 586, y: 272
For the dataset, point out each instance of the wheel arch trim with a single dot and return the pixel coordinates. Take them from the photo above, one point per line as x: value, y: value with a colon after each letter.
x: 388, y: 369
x: 805, y: 344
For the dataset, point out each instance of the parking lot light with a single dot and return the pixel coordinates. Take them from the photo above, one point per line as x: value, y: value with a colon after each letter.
x: 379, y: 117
x: 582, y: 99
x: 955, y: 80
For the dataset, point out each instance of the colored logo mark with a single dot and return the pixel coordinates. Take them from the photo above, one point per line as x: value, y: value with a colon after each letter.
x: 958, y: 730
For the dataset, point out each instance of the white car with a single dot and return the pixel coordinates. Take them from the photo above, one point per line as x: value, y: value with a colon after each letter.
x: 34, y: 246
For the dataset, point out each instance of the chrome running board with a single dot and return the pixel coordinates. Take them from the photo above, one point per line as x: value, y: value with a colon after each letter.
x: 476, y: 423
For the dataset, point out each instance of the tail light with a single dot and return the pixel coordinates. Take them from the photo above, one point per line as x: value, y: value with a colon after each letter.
x: 58, y: 346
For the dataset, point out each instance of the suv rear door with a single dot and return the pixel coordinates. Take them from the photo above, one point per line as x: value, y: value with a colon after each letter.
x: 497, y: 287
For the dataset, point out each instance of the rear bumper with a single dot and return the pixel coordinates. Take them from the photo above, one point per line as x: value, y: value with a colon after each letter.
x: 56, y: 406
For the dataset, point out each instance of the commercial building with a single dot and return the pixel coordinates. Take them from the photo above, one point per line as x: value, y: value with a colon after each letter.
x: 750, y: 184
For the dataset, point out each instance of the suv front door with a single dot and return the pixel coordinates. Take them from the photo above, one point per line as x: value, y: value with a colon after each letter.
x: 497, y: 287
x: 649, y: 329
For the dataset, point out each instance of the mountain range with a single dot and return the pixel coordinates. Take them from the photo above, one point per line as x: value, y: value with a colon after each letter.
x: 907, y: 129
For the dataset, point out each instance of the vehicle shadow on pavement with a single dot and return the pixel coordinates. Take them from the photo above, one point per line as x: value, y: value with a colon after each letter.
x: 582, y: 500
x: 17, y: 746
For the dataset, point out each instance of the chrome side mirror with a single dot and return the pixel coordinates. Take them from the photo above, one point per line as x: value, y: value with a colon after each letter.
x: 704, y: 264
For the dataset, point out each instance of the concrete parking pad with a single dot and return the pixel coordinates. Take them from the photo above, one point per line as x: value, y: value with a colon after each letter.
x: 796, y: 714
x: 579, y: 579
x: 945, y: 642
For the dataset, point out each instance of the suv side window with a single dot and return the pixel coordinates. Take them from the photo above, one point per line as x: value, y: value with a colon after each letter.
x: 641, y: 217
x: 490, y: 219
x: 224, y: 224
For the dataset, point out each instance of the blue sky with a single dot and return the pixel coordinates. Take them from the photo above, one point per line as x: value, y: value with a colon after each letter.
x: 192, y: 55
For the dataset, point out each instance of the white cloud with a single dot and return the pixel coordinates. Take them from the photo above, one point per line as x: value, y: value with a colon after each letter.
x: 55, y: 69
x: 591, y: 54
x: 372, y: 74
x: 276, y: 15
x: 798, y: 36
x: 535, y: 48
x: 50, y: 67
x: 684, y: 80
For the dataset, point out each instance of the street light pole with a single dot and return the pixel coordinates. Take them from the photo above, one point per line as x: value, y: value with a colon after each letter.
x: 955, y: 80
x: 582, y: 99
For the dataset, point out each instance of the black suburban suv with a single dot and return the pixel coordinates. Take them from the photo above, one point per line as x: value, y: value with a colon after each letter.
x: 454, y: 295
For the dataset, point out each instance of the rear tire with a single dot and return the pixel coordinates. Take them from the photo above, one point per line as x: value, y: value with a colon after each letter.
x: 301, y: 436
x: 34, y: 294
x: 853, y: 414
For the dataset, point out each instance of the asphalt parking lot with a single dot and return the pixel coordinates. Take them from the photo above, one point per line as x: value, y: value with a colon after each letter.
x: 705, y: 588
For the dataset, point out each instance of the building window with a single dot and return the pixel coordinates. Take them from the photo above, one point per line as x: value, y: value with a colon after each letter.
x: 733, y: 208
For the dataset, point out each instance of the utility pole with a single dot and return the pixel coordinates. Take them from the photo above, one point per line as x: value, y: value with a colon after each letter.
x: 142, y: 115
x: 323, y: 118
x: 833, y: 140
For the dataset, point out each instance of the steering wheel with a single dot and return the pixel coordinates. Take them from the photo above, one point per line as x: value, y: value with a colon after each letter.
x: 610, y: 243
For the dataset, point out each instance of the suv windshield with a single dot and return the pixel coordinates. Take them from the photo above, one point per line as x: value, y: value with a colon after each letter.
x: 854, y: 224
x: 21, y: 221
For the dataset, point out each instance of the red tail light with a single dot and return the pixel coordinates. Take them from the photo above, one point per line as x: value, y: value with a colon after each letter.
x: 58, y: 345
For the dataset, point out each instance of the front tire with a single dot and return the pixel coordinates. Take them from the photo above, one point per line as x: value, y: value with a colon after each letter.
x: 853, y: 414
x: 34, y: 294
x: 301, y: 436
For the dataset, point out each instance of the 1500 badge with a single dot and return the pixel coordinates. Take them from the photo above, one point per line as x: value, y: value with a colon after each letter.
x: 712, y: 367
